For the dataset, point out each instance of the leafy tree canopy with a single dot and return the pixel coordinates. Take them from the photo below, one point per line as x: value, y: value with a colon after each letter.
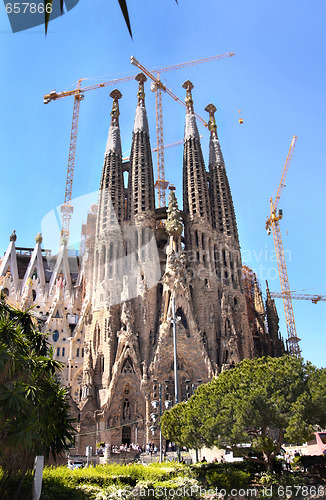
x: 263, y: 402
x: 34, y: 408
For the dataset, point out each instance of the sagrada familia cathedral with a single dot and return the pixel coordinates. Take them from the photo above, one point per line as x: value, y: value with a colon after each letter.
x: 141, y: 269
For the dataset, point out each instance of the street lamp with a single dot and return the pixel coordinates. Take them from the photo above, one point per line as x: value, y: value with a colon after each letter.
x: 157, y: 405
x: 175, y: 358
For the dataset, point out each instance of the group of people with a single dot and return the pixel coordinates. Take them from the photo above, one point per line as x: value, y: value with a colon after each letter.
x: 288, y: 459
x: 150, y: 448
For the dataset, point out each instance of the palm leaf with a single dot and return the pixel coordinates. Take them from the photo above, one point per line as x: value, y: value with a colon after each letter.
x: 122, y: 3
x: 47, y: 12
x: 124, y: 10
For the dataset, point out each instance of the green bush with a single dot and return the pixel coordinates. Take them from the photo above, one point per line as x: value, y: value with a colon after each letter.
x: 228, y: 478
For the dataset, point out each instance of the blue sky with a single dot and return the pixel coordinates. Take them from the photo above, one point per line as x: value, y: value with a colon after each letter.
x: 276, y: 79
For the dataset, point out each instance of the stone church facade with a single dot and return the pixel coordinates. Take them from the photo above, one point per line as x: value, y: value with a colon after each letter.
x: 111, y: 320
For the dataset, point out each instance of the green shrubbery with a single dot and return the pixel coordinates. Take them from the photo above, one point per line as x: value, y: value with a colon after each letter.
x: 155, y: 481
x: 105, y: 481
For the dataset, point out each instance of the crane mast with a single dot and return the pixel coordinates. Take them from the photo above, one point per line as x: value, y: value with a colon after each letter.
x: 161, y: 184
x: 272, y: 224
x: 67, y: 208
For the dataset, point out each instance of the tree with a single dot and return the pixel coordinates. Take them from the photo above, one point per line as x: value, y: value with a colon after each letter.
x: 34, y: 408
x: 264, y: 402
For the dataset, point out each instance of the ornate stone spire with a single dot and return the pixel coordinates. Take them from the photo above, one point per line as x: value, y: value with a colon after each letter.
x: 223, y: 216
x: 258, y: 299
x: 10, y: 261
x: 35, y: 264
x: 191, y: 129
x: 13, y: 236
x: 114, y: 141
x: 195, y: 187
x: 141, y: 122
x: 38, y: 238
x: 141, y: 178
x: 270, y: 305
x: 273, y: 323
x: 111, y: 197
x: 174, y: 226
x: 189, y: 102
x: 215, y: 153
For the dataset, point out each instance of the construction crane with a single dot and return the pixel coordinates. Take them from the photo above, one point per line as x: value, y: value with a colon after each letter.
x: 272, y: 225
x: 78, y: 94
x: 166, y: 146
x: 157, y: 87
x: 300, y: 296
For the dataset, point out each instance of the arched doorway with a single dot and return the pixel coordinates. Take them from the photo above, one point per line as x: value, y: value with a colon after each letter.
x: 126, y: 435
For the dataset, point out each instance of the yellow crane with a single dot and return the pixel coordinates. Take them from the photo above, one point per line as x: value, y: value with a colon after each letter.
x: 78, y: 94
x: 166, y: 146
x: 157, y: 87
x: 300, y: 296
x: 272, y: 225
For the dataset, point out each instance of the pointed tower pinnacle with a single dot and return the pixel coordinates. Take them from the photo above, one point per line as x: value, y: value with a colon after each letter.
x: 188, y: 85
x: 270, y: 302
x: 35, y: 264
x: 141, y: 122
x: 258, y: 298
x: 191, y: 129
x: 195, y: 187
x: 141, y: 178
x: 114, y: 142
x: 141, y: 78
x: 174, y: 226
x: 10, y: 261
x: 13, y: 236
x: 223, y: 216
x: 211, y: 109
x: 273, y: 323
x: 111, y: 196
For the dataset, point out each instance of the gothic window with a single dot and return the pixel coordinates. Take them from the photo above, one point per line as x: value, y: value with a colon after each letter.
x: 55, y: 336
x: 224, y: 257
x: 103, y: 258
x: 183, y: 320
x: 57, y: 315
x: 5, y: 292
x: 111, y: 251
x: 96, y: 336
x: 196, y: 238
x: 143, y: 236
x: 63, y: 351
x: 128, y: 366
x: 227, y: 327
x: 33, y: 295
x: 96, y: 260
